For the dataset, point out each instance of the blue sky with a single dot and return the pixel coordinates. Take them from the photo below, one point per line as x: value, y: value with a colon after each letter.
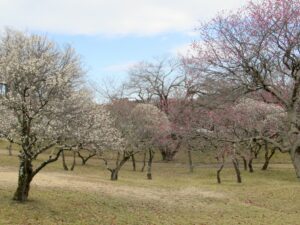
x: 113, y: 35
x: 111, y: 56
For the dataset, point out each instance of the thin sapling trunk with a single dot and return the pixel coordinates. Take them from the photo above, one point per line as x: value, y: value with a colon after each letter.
x: 191, y: 166
x: 268, y: 156
x: 251, y: 170
x: 9, y: 148
x: 74, y: 161
x: 237, y: 170
x: 149, y: 168
x: 133, y: 163
x: 144, y: 161
x: 64, y: 160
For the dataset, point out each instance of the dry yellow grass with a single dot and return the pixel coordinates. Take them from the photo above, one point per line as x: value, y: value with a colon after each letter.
x: 87, y: 196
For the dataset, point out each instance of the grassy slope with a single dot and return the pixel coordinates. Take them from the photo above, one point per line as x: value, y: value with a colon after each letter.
x: 173, y: 197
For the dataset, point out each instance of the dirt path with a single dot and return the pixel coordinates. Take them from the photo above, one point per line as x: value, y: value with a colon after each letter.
x: 8, y: 177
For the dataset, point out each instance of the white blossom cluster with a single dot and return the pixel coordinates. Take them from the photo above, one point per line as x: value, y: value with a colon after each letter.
x: 46, y: 103
x: 150, y: 124
x: 258, y: 117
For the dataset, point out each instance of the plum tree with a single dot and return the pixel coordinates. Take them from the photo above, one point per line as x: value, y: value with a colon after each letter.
x: 256, y: 49
x: 39, y: 75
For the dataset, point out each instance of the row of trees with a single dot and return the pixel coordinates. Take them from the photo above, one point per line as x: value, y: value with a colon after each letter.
x: 238, y: 88
x: 49, y: 110
x: 236, y: 92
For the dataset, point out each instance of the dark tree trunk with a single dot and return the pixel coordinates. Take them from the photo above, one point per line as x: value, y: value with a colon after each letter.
x: 237, y: 170
x: 250, y: 166
x: 144, y: 162
x: 256, y: 151
x: 9, y: 148
x: 163, y: 155
x: 114, y: 174
x: 24, y: 179
x: 74, y: 161
x: 133, y: 163
x: 191, y: 166
x: 168, y: 154
x: 220, y: 168
x: 149, y: 168
x: 295, y: 156
x: 266, y: 163
x: 64, y: 161
x: 84, y: 160
x: 245, y: 163
x: 115, y: 171
x: 267, y: 157
x: 219, y: 172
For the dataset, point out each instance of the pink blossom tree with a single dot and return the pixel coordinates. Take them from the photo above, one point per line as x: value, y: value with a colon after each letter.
x: 156, y: 82
x: 237, y: 126
x: 257, y: 49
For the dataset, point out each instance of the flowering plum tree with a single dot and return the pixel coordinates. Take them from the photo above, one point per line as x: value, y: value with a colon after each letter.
x: 39, y: 75
x: 120, y: 110
x: 150, y: 129
x: 105, y: 137
x: 156, y: 82
x: 186, y: 117
x: 257, y: 49
x: 236, y: 126
x: 85, y: 126
x: 88, y: 126
x: 256, y: 118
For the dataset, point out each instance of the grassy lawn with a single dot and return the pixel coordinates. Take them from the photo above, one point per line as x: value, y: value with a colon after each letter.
x: 87, y: 196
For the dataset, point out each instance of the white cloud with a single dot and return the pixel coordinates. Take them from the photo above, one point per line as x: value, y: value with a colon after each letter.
x: 182, y: 49
x: 122, y: 67
x: 109, y: 17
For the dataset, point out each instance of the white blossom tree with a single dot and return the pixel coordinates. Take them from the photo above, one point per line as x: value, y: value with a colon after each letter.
x: 88, y: 126
x: 39, y: 75
x: 151, y: 127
